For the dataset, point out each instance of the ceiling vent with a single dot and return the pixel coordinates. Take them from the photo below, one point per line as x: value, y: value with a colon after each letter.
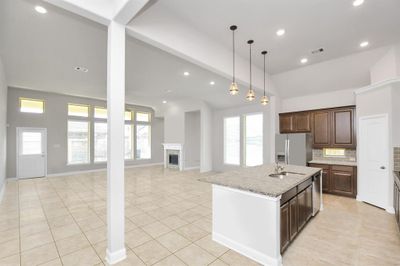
x: 318, y: 51
x: 81, y: 69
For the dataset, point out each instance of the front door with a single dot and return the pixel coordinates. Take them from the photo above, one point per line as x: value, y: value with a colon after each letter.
x: 31, y: 152
x: 373, y: 172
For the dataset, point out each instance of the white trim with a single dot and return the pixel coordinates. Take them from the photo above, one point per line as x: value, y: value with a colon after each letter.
x: 390, y: 210
x: 248, y: 193
x: 251, y: 253
x: 191, y: 168
x: 18, y: 129
x: 2, y: 191
x: 376, y: 86
x: 97, y: 170
x: 115, y: 257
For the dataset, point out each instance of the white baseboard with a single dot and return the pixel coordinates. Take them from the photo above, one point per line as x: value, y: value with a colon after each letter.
x: 246, y: 251
x: 390, y: 210
x: 2, y: 191
x: 115, y: 257
x: 191, y: 168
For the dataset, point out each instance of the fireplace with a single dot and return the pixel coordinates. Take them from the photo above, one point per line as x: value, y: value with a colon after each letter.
x: 173, y: 156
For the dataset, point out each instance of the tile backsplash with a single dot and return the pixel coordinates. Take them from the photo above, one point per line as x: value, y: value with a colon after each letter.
x: 350, y: 155
x: 396, y: 158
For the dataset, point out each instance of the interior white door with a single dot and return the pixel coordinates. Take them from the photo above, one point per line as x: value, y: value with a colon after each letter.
x: 31, y: 152
x: 373, y: 170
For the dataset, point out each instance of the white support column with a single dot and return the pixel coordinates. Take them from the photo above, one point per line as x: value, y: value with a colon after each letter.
x: 115, y: 167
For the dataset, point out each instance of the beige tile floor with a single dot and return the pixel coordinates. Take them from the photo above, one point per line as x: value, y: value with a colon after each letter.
x: 61, y: 221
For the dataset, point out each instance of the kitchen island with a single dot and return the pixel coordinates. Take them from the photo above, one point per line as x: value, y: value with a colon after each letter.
x: 258, y: 215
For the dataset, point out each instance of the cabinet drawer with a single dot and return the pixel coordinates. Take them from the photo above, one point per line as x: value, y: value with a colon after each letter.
x: 305, y: 184
x: 342, y: 168
x: 288, y: 195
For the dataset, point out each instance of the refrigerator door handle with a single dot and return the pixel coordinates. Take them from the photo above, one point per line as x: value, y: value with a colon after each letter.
x: 288, y: 152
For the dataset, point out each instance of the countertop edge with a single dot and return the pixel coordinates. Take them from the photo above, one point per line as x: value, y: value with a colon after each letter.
x: 354, y: 164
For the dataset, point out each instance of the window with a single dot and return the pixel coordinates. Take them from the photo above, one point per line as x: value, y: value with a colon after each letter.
x: 100, y: 142
x: 78, y: 142
x: 143, y: 141
x: 128, y: 142
x: 232, y: 140
x: 340, y: 153
x: 31, y: 106
x: 31, y: 143
x: 142, y: 117
x: 100, y: 112
x: 128, y: 116
x: 78, y: 110
x: 254, y: 139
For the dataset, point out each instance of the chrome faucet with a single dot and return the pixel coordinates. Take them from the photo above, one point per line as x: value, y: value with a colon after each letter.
x: 278, y: 168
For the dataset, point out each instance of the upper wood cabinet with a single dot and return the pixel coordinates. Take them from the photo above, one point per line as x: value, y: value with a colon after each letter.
x: 331, y: 128
x: 295, y: 122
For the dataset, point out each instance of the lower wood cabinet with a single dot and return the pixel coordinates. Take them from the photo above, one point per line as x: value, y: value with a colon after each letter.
x: 338, y: 179
x: 295, y: 213
x: 396, y: 198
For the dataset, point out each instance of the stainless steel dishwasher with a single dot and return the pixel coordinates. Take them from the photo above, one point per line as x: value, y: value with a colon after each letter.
x: 316, y: 193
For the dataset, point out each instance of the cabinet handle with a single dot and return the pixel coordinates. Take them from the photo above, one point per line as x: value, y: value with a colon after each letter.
x: 342, y: 174
x: 383, y: 167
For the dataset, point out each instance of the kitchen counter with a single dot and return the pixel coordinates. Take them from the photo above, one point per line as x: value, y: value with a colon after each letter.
x: 257, y: 180
x: 333, y: 162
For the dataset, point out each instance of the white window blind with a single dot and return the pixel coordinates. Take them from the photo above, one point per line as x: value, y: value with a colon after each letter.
x: 78, y: 142
x: 143, y: 141
x: 128, y: 142
x: 232, y: 140
x: 100, y: 142
x: 254, y: 139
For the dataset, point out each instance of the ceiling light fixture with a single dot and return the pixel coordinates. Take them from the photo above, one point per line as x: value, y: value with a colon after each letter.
x: 280, y: 32
x: 40, y: 9
x: 164, y: 102
x: 364, y: 44
x: 304, y: 60
x: 186, y: 73
x: 264, y: 99
x: 212, y: 83
x: 358, y: 2
x: 81, y: 69
x: 233, y: 89
x: 250, y: 94
x: 168, y: 91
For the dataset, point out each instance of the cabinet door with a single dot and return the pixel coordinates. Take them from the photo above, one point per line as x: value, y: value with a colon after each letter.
x: 396, y: 201
x: 321, y: 129
x: 301, y: 209
x: 293, y: 218
x: 326, y: 175
x: 302, y: 122
x: 286, y: 123
x: 285, y: 226
x: 342, y: 181
x: 309, y: 204
x: 343, y: 132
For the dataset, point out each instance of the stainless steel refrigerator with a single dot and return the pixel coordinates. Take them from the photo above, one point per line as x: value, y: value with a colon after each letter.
x: 293, y: 149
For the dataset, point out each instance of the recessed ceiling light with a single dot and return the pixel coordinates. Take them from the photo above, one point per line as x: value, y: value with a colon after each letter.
x: 358, y: 2
x: 81, y: 69
x: 212, y: 83
x: 280, y: 32
x: 164, y: 102
x: 168, y: 91
x: 186, y: 73
x: 364, y: 44
x: 304, y: 60
x: 40, y: 9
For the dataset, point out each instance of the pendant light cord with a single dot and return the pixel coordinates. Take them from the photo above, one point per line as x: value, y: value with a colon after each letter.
x: 264, y: 74
x: 233, y: 45
x: 250, y: 68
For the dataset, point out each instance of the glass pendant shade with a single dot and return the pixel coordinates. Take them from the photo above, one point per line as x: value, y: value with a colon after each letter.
x: 233, y: 90
x: 264, y: 100
x: 250, y: 95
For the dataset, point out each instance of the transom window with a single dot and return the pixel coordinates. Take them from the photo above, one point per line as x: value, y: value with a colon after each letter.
x: 142, y: 117
x: 128, y: 115
x: 78, y: 110
x: 100, y: 112
x: 31, y: 106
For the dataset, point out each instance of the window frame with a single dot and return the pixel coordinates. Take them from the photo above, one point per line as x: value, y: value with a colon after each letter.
x: 20, y: 99
x: 224, y: 140
x: 89, y: 142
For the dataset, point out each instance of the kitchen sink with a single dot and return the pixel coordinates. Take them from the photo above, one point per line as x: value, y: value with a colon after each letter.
x: 281, y: 175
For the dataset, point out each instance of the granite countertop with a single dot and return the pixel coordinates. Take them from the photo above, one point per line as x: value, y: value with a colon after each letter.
x: 333, y: 162
x: 256, y: 179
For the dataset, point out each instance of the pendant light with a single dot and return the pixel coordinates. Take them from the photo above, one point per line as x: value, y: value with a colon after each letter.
x: 264, y: 99
x: 250, y: 94
x: 233, y: 90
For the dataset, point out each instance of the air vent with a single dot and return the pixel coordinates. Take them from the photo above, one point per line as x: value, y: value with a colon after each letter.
x: 318, y: 51
x: 81, y: 69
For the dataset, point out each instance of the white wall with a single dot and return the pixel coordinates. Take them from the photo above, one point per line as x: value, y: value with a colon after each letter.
x: 396, y: 114
x: 206, y: 143
x: 192, y: 139
x: 3, y: 128
x: 218, y: 132
x: 385, y: 68
x: 316, y: 101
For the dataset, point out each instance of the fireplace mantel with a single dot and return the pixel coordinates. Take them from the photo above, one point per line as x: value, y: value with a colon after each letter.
x: 173, y: 147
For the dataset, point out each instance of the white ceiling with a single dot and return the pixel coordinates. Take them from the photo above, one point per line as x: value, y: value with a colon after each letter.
x: 335, y: 25
x: 41, y: 51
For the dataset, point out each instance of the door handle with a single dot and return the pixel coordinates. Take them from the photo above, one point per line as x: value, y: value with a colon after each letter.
x: 383, y: 167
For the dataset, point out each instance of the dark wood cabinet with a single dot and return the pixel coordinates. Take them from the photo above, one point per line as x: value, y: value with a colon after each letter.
x: 396, y: 198
x: 338, y: 180
x: 343, y: 128
x: 331, y: 128
x: 321, y: 129
x: 285, y: 226
x: 295, y: 122
x: 296, y: 211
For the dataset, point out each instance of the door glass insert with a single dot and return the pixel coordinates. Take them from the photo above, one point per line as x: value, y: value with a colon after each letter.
x: 31, y: 143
